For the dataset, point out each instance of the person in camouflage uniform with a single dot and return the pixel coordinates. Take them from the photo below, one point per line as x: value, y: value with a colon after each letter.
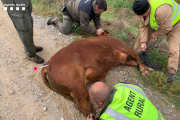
x: 23, y: 23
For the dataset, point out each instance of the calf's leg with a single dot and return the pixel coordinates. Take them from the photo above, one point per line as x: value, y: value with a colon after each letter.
x: 81, y: 99
x: 122, y: 59
x: 93, y: 75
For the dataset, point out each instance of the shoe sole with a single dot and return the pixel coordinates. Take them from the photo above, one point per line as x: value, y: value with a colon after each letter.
x: 48, y: 22
x: 31, y: 59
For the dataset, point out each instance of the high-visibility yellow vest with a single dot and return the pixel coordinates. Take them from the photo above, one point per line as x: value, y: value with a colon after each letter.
x: 175, y: 17
x: 130, y: 103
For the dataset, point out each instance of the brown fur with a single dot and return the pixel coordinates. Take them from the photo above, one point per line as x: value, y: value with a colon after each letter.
x: 85, y: 61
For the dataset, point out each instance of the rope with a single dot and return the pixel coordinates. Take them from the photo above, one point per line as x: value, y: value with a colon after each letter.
x: 158, y: 40
x: 144, y: 59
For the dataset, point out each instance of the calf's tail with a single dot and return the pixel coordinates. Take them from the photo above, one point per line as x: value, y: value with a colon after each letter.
x: 44, y: 77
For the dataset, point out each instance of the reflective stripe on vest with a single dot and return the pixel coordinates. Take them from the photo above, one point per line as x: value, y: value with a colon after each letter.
x: 118, y: 116
x: 175, y: 17
x: 159, y: 116
x: 177, y: 11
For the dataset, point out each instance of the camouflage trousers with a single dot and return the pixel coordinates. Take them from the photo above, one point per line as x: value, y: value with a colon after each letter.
x: 23, y: 23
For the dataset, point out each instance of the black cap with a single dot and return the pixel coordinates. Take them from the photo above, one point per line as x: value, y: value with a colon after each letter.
x: 140, y: 7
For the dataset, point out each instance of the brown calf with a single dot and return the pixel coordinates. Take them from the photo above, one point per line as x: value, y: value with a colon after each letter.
x: 85, y: 61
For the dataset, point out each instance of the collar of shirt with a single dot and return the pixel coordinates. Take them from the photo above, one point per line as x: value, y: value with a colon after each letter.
x: 146, y: 16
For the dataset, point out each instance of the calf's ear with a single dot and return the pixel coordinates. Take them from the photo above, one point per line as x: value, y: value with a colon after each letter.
x: 106, y: 32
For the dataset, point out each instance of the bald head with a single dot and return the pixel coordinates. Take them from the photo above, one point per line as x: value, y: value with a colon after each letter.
x: 99, y: 91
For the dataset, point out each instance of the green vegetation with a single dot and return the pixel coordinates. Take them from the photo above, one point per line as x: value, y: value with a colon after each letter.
x: 117, y: 4
x: 47, y: 7
x: 156, y: 57
x: 178, y: 73
x: 172, y: 91
x: 132, y: 29
x: 157, y: 80
x: 120, y: 34
x: 109, y: 15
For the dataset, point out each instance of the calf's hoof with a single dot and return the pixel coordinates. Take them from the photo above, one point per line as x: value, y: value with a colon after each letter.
x: 147, y: 72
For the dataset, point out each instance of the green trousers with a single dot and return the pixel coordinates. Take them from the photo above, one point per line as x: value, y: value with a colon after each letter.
x: 23, y: 23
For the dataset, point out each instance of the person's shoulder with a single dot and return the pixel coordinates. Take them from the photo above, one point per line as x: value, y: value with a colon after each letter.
x: 162, y: 8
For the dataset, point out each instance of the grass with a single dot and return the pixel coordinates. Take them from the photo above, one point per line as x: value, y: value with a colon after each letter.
x: 158, y: 58
x: 47, y: 7
x: 117, y: 4
x: 178, y: 73
x: 171, y: 91
x: 119, y: 34
x: 157, y: 80
x: 132, y: 29
x: 109, y: 15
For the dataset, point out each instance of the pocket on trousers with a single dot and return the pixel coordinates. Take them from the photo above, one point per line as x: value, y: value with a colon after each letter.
x: 18, y: 21
x: 21, y: 21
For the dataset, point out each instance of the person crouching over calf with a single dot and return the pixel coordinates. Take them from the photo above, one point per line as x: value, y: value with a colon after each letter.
x: 121, y: 102
x: 82, y: 11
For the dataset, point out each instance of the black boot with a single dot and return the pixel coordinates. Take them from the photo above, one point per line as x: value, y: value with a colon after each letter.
x: 170, y: 78
x: 51, y: 21
x: 36, y: 59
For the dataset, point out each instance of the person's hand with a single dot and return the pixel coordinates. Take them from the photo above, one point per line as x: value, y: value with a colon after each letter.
x: 90, y: 117
x: 143, y: 46
x: 99, y: 31
x: 153, y: 35
x: 98, y: 109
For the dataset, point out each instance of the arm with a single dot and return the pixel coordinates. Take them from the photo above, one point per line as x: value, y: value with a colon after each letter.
x: 97, y: 24
x: 84, y: 23
x: 143, y: 32
x: 97, y: 20
x: 143, y: 35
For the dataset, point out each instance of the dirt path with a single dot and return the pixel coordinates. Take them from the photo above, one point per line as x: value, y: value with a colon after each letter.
x: 23, y: 96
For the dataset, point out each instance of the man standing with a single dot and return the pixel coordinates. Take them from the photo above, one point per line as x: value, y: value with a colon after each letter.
x: 23, y: 23
x: 159, y: 17
x: 82, y: 11
x: 122, y: 102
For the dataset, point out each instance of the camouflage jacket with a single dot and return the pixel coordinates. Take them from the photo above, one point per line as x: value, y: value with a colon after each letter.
x: 83, y: 11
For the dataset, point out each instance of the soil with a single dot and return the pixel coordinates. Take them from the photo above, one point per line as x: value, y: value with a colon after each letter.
x: 23, y: 95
